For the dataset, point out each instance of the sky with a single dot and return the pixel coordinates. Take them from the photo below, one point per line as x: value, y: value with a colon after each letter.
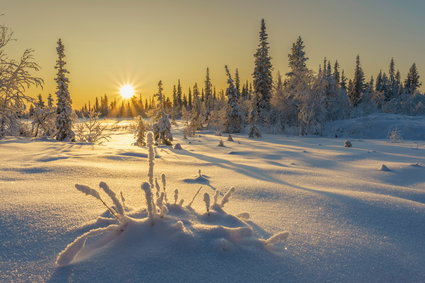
x: 112, y: 43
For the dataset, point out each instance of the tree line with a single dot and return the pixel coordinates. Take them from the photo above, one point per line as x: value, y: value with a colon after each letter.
x: 300, y: 102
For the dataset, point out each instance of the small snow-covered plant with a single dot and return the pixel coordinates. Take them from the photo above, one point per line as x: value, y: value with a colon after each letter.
x: 227, y: 196
x: 230, y: 138
x: 220, y: 143
x: 140, y: 132
x: 118, y: 206
x: 91, y: 130
x: 194, y: 196
x: 207, y: 202
x: 157, y: 187
x: 215, y: 198
x: 347, y: 143
x: 149, y: 201
x: 117, y: 212
x: 277, y: 238
x: 395, y: 135
x: 176, y: 195
x: 151, y: 157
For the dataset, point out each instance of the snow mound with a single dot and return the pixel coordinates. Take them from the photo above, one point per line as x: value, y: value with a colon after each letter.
x: 378, y: 126
x: 385, y: 168
x: 182, y: 227
x: 178, y: 146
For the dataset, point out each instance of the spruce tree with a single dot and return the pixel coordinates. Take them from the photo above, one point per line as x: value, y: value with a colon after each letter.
x: 412, y: 82
x: 297, y: 84
x: 343, y: 82
x: 336, y: 74
x: 233, y: 121
x: 208, y: 95
x: 262, y: 76
x: 162, y: 125
x: 189, y: 99
x: 237, y: 84
x: 179, y: 96
x: 358, y: 84
x: 40, y: 102
x: 393, y: 87
x: 64, y: 102
x: 50, y: 101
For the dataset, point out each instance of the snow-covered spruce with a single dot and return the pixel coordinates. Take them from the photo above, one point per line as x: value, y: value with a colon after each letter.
x: 169, y: 223
x: 162, y: 125
x: 233, y: 122
x: 64, y: 106
x: 140, y: 132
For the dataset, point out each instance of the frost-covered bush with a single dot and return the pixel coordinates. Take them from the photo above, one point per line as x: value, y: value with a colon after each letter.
x: 163, y: 220
x: 91, y: 130
x: 347, y: 143
x: 395, y: 135
x: 43, y: 121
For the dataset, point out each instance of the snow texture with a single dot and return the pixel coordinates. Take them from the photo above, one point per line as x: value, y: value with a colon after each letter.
x: 349, y: 221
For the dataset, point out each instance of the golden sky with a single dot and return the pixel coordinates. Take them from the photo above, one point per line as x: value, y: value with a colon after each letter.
x: 110, y: 43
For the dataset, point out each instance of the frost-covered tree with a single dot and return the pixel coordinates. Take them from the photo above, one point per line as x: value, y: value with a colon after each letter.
x: 412, y: 83
x: 208, y: 95
x: 262, y: 76
x: 162, y: 125
x: 15, y: 78
x: 297, y: 83
x: 358, y: 85
x: 43, y: 118
x: 64, y: 103
x: 179, y: 95
x: 333, y: 98
x: 233, y: 122
x: 140, y: 131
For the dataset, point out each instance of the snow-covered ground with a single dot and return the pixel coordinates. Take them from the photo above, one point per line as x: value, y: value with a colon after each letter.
x: 378, y: 126
x: 349, y: 221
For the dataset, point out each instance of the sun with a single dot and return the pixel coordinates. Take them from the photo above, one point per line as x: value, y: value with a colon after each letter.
x: 127, y: 91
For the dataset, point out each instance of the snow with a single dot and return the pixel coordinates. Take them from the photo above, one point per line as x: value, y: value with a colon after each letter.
x: 348, y: 221
x: 378, y: 126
